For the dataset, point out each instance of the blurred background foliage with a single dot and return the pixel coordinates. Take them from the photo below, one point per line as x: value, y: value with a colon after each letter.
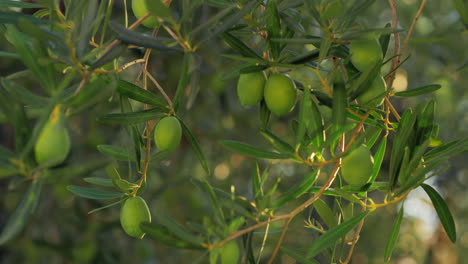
x: 61, y: 230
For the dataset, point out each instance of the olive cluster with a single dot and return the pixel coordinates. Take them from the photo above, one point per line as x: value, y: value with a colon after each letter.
x: 278, y: 91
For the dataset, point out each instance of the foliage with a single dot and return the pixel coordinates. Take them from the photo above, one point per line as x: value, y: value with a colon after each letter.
x: 101, y: 71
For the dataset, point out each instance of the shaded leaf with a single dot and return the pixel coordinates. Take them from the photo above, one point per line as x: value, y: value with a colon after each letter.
x: 419, y: 91
x: 117, y: 153
x: 252, y: 151
x: 392, y: 239
x: 332, y: 235
x: 139, y: 94
x: 99, y: 181
x: 132, y: 117
x: 195, y: 146
x: 297, y: 190
x: 239, y: 46
x: 18, y: 220
x: 325, y: 212
x: 442, y: 211
x: 91, y: 193
x: 163, y: 236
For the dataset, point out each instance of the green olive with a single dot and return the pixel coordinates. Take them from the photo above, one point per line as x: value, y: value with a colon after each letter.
x: 140, y: 9
x: 356, y: 167
x: 134, y: 212
x: 230, y: 253
x: 374, y: 95
x: 53, y: 144
x: 365, y: 53
x: 280, y: 94
x: 250, y: 88
x: 168, y: 133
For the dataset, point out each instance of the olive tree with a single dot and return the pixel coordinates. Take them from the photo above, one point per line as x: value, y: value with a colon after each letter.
x: 105, y: 104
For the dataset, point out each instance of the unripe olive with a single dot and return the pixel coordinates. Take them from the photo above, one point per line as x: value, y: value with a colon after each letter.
x: 53, y: 144
x: 230, y: 253
x: 140, y: 9
x: 134, y: 212
x: 250, y: 88
x: 365, y: 53
x: 280, y: 94
x: 374, y: 95
x: 167, y: 133
x: 356, y: 167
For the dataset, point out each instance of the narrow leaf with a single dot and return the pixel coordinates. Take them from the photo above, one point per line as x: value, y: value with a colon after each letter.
x: 443, y: 211
x: 99, y: 181
x: 175, y: 228
x: 419, y: 91
x: 252, y: 151
x: 332, y: 235
x: 391, y: 242
x: 195, y: 146
x: 91, y: 193
x: 276, y: 142
x: 117, y: 153
x: 163, y: 236
x: 131, y: 118
x: 297, y: 190
x: 184, y: 79
x: 139, y: 94
x: 18, y: 220
x: 239, y: 46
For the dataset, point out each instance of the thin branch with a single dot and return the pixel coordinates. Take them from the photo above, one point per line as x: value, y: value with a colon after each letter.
x: 396, y: 49
x: 415, y: 20
x: 161, y: 90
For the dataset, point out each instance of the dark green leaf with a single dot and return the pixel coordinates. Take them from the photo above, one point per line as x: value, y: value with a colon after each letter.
x: 239, y: 46
x: 175, y: 228
x: 332, y: 235
x: 419, y: 91
x: 24, y: 95
x: 297, y: 190
x: 139, y: 94
x: 384, y: 40
x: 206, y: 188
x: 231, y: 20
x: 139, y: 39
x: 99, y: 181
x: 195, y: 146
x: 273, y: 27
x: 404, y: 131
x: 340, y: 103
x: 109, y: 56
x: 163, y: 236
x: 94, y: 92
x: 378, y: 159
x: 276, y: 142
x: 12, y: 3
x: 131, y: 118
x: 117, y: 153
x: 91, y: 193
x: 17, y: 221
x: 10, y: 17
x: 315, y: 127
x: 252, y: 151
x: 442, y: 211
x: 184, y: 79
x: 304, y: 117
x: 392, y: 239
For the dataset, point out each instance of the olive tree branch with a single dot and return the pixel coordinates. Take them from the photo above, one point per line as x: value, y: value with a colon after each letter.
x: 415, y: 20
